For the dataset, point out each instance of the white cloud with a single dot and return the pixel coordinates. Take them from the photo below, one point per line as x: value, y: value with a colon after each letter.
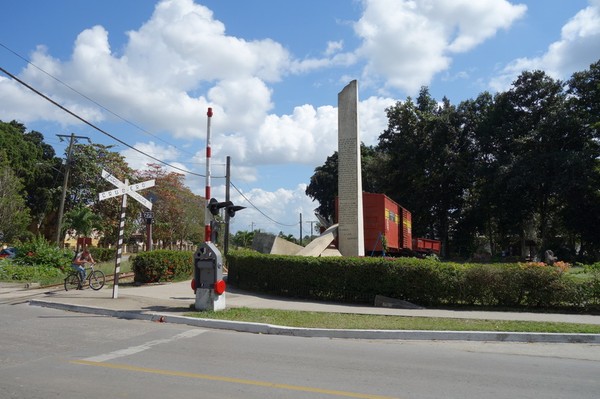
x: 282, y: 206
x: 307, y: 136
x: 185, y: 44
x: 407, y: 42
x: 244, y: 103
x: 179, y: 51
x: 137, y: 160
x: 578, y: 47
x: 373, y: 119
x: 334, y: 47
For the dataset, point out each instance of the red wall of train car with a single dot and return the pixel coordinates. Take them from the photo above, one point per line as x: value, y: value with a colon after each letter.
x: 427, y: 245
x: 380, y: 217
x: 384, y: 216
x: 406, y: 240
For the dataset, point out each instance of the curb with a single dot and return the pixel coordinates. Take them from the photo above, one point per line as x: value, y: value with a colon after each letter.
x: 260, y: 328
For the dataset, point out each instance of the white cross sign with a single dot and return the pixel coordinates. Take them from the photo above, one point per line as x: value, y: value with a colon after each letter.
x: 123, y: 188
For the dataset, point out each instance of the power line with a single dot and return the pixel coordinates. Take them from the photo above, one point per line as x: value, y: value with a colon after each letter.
x: 110, y: 135
x: 90, y: 99
x: 94, y: 126
x: 261, y: 212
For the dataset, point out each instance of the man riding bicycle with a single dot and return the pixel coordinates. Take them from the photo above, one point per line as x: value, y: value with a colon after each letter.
x: 79, y: 264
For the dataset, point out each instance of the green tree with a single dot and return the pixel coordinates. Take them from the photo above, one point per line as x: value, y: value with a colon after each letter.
x: 34, y: 162
x: 580, y: 180
x: 475, y: 218
x: 429, y: 164
x: 323, y: 186
x: 179, y: 213
x: 530, y: 129
x: 14, y: 214
x: 81, y: 221
x: 288, y: 237
x: 242, y: 238
x: 402, y: 146
x: 85, y: 184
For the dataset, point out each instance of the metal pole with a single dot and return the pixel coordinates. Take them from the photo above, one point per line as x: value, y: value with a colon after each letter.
x: 207, y: 214
x: 227, y: 183
x: 148, y: 234
x: 120, y: 244
x: 300, y: 228
x: 311, y: 227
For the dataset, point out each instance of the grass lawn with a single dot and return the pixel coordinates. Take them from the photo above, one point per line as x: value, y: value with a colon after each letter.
x: 378, y: 322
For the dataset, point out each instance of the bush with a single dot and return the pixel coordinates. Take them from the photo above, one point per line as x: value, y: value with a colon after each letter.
x: 162, y: 265
x: 43, y: 274
x: 39, y: 252
x: 421, y: 281
x: 593, y: 267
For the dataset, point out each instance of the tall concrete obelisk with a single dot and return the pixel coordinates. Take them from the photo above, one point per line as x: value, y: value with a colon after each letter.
x: 350, y: 211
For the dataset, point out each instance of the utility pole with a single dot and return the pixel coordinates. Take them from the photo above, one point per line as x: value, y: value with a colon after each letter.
x: 311, y: 227
x: 61, y: 209
x: 301, y: 228
x: 227, y: 218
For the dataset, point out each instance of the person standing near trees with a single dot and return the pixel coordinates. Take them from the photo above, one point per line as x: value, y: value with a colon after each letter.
x: 79, y: 262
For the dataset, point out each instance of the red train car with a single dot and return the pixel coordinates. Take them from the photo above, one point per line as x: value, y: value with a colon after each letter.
x: 385, y: 220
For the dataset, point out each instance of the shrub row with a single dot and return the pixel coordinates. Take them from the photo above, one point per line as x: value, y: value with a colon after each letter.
x: 162, y: 265
x: 39, y: 252
x: 420, y: 281
x: 43, y: 274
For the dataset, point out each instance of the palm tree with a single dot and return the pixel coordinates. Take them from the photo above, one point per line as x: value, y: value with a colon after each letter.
x: 83, y: 221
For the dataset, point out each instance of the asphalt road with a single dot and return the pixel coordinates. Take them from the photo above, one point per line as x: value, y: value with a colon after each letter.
x: 48, y: 353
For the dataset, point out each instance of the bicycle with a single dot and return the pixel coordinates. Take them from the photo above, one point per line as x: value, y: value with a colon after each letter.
x: 95, y: 279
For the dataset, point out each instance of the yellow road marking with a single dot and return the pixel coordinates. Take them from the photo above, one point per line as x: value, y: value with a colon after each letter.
x: 230, y: 380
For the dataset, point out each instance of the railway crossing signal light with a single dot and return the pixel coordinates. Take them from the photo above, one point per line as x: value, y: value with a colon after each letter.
x: 232, y: 209
x: 214, y: 206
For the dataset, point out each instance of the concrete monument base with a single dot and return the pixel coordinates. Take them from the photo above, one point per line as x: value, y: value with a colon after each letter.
x: 207, y: 299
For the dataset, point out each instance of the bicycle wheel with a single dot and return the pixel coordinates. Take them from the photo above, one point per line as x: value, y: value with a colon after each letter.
x: 72, y: 282
x: 96, y: 280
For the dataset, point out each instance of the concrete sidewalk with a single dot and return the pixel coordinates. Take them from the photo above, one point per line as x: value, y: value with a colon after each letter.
x: 170, y: 301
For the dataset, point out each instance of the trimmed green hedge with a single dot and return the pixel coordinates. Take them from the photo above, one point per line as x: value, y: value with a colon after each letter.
x: 420, y: 281
x: 162, y: 265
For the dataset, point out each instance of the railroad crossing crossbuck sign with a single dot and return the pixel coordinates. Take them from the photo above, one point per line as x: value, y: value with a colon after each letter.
x: 124, y: 189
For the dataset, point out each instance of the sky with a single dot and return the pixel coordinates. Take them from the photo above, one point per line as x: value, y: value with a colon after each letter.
x: 146, y: 72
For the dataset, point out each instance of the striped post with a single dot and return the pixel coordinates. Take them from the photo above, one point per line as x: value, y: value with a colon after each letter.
x: 120, y: 245
x: 207, y: 214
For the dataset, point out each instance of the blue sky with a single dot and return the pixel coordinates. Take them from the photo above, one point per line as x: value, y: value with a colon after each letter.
x: 271, y: 70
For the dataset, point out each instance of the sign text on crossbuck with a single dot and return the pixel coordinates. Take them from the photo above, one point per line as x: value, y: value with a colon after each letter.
x: 123, y: 188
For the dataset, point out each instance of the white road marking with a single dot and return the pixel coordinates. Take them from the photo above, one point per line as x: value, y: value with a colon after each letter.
x: 140, y: 348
